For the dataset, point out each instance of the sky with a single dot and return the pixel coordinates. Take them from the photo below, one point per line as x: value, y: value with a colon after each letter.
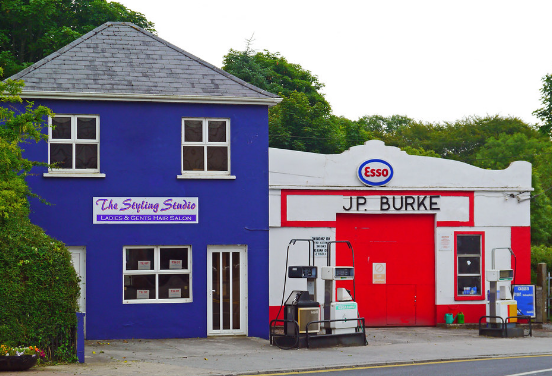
x: 433, y: 61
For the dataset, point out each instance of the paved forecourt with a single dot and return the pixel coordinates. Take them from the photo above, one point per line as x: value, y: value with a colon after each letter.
x: 245, y: 355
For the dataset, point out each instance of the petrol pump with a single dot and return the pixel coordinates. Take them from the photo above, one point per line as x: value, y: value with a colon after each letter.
x: 501, y: 307
x: 305, y: 322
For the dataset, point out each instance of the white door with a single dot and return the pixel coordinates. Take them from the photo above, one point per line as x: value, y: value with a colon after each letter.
x: 226, y: 290
x: 78, y: 258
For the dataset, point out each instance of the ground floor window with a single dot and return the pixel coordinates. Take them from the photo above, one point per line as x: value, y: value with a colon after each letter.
x: 469, y: 265
x: 157, y: 274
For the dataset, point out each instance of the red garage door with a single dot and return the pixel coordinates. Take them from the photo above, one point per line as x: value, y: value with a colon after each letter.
x: 405, y: 244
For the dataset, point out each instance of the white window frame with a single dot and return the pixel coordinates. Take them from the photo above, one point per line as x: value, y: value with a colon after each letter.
x: 205, y: 174
x: 74, y: 172
x: 157, y: 272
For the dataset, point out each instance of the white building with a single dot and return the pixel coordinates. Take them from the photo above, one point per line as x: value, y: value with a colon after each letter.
x: 423, y: 229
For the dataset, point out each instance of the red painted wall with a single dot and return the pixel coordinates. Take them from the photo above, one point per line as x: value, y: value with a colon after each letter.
x: 406, y: 244
x: 521, y: 245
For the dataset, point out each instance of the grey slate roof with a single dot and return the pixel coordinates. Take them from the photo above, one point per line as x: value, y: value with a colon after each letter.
x: 122, y: 58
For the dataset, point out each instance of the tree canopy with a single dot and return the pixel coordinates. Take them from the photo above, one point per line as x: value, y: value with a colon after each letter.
x: 545, y: 112
x: 31, y: 30
x: 303, y: 120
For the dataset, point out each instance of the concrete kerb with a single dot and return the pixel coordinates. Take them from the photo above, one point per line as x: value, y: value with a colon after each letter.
x: 385, y: 364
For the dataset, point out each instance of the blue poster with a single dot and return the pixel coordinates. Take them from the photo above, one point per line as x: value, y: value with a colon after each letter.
x: 525, y: 297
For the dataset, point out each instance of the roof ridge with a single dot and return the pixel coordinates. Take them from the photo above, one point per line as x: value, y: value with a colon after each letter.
x: 61, y: 51
x: 201, y: 61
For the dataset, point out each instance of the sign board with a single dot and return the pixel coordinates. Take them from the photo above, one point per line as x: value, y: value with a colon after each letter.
x: 144, y: 210
x: 524, y: 295
x: 175, y: 293
x: 375, y: 172
x: 144, y: 265
x: 379, y: 273
x: 400, y: 204
x: 320, y: 246
x: 142, y: 294
x: 175, y: 264
x: 446, y: 242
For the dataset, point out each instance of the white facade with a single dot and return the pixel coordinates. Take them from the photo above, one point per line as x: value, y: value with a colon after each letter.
x: 309, y: 192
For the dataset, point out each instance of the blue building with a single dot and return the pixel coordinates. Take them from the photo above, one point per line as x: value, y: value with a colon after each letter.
x: 160, y: 188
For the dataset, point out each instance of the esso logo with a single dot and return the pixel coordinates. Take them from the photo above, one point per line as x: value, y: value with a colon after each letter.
x: 375, y: 172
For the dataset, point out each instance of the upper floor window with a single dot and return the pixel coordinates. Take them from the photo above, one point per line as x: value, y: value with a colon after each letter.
x: 205, y: 146
x: 74, y: 143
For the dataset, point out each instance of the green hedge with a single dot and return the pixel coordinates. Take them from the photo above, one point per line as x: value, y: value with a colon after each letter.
x: 540, y: 253
x: 39, y: 291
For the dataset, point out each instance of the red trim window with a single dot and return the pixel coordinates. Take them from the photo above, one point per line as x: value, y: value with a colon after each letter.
x: 469, y: 265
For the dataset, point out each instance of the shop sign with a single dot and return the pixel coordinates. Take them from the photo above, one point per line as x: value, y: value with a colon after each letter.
x: 145, y: 210
x: 420, y: 203
x: 375, y: 172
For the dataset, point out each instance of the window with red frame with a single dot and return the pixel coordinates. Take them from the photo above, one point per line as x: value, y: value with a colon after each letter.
x: 469, y: 266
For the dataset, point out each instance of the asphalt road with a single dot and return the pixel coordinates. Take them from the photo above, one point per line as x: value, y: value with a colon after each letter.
x: 540, y: 365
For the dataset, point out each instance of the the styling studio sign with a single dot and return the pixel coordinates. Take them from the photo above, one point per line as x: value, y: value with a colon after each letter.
x: 145, y: 210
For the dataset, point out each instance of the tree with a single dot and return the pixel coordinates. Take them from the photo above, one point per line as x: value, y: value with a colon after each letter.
x: 545, y: 113
x: 273, y: 73
x: 303, y: 120
x: 31, y: 30
x: 16, y: 129
x: 460, y: 140
x: 297, y: 125
x: 384, y: 125
x: 499, y: 152
x: 39, y: 287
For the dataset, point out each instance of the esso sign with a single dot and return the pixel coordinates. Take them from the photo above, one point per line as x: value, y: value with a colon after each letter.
x: 375, y: 172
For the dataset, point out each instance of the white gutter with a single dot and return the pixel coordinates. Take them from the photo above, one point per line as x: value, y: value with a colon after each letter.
x: 149, y: 98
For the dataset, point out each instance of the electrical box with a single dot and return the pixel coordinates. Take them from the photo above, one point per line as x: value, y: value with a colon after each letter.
x: 337, y: 273
x: 302, y: 271
x: 498, y: 275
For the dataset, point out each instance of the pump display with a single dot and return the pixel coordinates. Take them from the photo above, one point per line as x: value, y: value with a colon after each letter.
x: 306, y: 322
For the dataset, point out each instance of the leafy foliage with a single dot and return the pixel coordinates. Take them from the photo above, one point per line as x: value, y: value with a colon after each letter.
x: 39, y: 287
x: 459, y: 140
x: 303, y: 120
x: 16, y: 129
x: 296, y: 124
x: 498, y: 153
x: 39, y: 290
x: 545, y: 112
x: 273, y: 73
x: 540, y: 253
x: 31, y: 30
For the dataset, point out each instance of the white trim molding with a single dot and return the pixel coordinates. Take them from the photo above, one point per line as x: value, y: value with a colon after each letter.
x: 124, y: 97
